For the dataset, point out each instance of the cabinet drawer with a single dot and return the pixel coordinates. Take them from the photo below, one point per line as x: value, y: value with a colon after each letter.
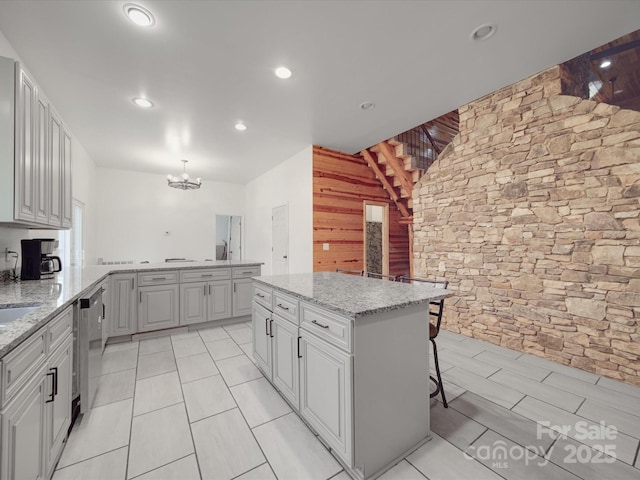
x: 331, y: 327
x: 262, y: 295
x: 204, y: 275
x: 60, y: 328
x: 18, y: 365
x: 286, y: 306
x: 244, y: 272
x: 157, y: 278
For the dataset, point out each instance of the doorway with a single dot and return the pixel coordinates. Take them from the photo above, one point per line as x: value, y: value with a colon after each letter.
x: 280, y: 236
x: 228, y: 237
x: 376, y: 237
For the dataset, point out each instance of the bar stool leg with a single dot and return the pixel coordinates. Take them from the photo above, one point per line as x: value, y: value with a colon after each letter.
x: 439, y: 386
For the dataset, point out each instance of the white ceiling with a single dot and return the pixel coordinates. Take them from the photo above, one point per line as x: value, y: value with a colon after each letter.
x: 207, y: 64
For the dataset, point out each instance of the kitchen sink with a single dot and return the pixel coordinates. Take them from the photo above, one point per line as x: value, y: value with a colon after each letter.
x: 8, y: 315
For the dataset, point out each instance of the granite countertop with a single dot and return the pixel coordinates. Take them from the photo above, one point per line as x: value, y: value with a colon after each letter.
x: 351, y: 295
x: 52, y: 296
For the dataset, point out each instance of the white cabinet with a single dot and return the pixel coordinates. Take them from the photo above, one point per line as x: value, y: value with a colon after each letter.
x: 261, y: 319
x: 285, y: 366
x: 242, y: 296
x: 66, y: 184
x: 43, y: 160
x: 205, y: 295
x: 123, y: 306
x: 35, y: 154
x: 26, y: 170
x: 55, y: 149
x: 193, y: 303
x: 325, y: 392
x: 158, y: 307
x: 23, y: 454
x: 58, y: 403
x: 275, y: 347
x: 36, y: 401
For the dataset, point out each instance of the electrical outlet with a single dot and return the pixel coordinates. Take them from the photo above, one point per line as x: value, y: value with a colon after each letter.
x: 325, y: 246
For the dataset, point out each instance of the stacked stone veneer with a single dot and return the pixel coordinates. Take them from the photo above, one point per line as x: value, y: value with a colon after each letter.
x: 532, y: 213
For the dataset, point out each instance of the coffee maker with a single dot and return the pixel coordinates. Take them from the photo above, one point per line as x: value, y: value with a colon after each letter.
x: 37, y: 261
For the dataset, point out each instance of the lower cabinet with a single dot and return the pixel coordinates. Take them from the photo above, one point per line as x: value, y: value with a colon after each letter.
x: 242, y: 297
x: 276, y: 351
x: 325, y: 392
x: 204, y: 301
x: 158, y: 307
x: 58, y: 403
x: 285, y: 367
x: 37, y: 415
x: 122, y: 301
x: 23, y: 427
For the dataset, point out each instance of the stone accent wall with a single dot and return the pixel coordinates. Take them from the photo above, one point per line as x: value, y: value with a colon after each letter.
x: 532, y: 213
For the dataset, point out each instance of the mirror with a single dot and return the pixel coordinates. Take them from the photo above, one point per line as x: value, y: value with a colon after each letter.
x: 376, y: 237
x: 228, y: 237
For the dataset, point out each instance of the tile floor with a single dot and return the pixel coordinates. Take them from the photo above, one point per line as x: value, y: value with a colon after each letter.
x: 194, y: 406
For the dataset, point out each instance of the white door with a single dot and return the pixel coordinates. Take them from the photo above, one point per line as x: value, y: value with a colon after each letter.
x: 280, y: 236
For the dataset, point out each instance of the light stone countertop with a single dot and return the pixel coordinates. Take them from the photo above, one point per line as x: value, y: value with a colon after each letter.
x: 353, y: 296
x: 53, y: 295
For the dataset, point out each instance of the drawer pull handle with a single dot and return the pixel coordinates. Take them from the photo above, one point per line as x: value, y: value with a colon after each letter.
x: 260, y: 295
x: 266, y: 326
x: 319, y: 324
x: 271, y: 328
x: 8, y: 376
x: 299, y: 356
x: 283, y: 307
x: 156, y: 279
x: 208, y: 275
x: 245, y: 273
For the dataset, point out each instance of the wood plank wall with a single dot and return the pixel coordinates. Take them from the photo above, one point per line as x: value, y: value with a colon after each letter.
x: 340, y: 184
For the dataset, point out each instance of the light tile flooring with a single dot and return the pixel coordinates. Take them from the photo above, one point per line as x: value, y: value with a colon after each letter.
x: 194, y: 406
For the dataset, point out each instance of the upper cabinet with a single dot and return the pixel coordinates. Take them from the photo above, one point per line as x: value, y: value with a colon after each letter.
x: 35, y: 154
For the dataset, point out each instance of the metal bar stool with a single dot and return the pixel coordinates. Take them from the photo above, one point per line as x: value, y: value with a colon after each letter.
x: 435, y: 310
x: 381, y: 276
x: 350, y: 272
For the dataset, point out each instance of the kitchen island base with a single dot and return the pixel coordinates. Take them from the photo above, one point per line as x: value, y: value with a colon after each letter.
x: 360, y: 383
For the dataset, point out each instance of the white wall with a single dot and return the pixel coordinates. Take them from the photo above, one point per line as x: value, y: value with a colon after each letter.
x: 290, y: 182
x: 136, y: 210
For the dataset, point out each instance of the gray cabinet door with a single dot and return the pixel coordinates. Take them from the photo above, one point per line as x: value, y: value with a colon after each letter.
x: 261, y: 319
x: 22, y: 432
x: 158, y: 307
x: 325, y: 393
x: 285, y: 368
x: 219, y: 300
x: 65, y: 189
x: 25, y: 158
x: 55, y: 154
x: 43, y: 160
x: 58, y: 412
x: 242, y: 296
x: 122, y: 296
x: 193, y: 303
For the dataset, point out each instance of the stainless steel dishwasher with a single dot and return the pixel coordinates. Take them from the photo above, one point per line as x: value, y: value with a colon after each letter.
x: 87, y: 331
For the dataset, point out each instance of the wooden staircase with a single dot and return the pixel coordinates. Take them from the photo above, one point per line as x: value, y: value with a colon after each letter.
x: 395, y: 170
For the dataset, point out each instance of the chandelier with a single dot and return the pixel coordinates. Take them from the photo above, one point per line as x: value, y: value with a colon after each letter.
x: 183, y: 182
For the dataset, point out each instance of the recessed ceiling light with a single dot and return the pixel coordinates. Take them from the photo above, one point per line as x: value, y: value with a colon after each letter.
x: 143, y: 102
x: 483, y: 32
x: 139, y: 15
x: 367, y: 105
x: 283, y: 72
x: 605, y: 64
x: 241, y: 127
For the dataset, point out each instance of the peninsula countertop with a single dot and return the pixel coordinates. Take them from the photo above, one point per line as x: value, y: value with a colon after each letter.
x: 351, y: 295
x: 52, y: 296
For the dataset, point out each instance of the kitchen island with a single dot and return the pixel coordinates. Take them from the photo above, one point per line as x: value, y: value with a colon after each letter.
x: 350, y: 355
